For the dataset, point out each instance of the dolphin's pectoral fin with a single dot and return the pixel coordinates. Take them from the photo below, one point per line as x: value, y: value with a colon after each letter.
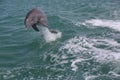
x: 35, y: 27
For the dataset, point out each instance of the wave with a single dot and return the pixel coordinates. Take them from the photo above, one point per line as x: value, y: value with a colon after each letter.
x: 101, y: 50
x: 110, y: 76
x: 113, y: 24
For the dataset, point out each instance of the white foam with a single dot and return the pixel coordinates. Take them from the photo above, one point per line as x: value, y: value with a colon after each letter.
x: 82, y: 44
x: 114, y: 74
x: 48, y: 36
x: 75, y: 45
x: 102, y: 55
x: 74, y: 66
x: 113, y: 24
x: 92, y: 77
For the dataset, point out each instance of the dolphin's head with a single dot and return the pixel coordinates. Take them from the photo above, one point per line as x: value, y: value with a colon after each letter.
x: 35, y: 17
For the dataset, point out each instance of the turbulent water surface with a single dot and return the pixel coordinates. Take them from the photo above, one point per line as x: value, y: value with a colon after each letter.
x: 88, y: 50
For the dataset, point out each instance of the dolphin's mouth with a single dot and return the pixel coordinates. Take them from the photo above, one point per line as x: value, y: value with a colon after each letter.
x: 34, y: 26
x: 53, y: 31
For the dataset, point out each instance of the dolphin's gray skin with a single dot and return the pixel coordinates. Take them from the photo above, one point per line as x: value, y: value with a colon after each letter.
x: 35, y: 17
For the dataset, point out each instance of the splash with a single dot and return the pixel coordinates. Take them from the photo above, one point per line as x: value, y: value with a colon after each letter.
x: 49, y: 36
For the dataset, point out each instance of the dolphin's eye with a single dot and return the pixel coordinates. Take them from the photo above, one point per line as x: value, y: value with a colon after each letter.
x: 32, y: 18
x: 39, y: 18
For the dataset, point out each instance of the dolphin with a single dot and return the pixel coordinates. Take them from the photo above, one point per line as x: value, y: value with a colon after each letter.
x: 37, y: 17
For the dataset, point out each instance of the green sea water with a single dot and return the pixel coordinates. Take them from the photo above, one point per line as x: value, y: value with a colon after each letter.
x: 89, y: 48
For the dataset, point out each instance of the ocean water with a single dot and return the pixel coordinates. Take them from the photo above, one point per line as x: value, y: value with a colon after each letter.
x: 88, y: 50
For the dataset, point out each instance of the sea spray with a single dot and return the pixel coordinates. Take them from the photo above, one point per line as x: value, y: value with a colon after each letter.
x: 49, y: 36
